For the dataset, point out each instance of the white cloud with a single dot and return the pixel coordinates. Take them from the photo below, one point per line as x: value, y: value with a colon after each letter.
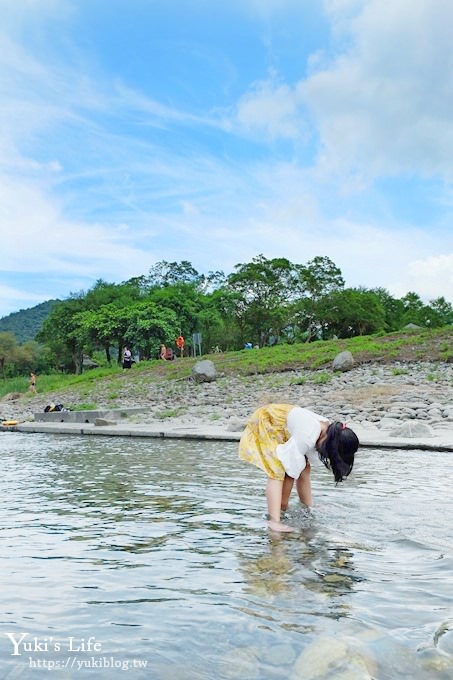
x: 384, y: 104
x: 425, y: 274
x: 271, y: 108
x: 37, y: 237
x: 12, y: 296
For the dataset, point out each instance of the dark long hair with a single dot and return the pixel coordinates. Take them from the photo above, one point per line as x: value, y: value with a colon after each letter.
x: 338, y: 449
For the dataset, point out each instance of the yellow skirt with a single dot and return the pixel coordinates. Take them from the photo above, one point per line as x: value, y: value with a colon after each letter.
x: 265, y: 430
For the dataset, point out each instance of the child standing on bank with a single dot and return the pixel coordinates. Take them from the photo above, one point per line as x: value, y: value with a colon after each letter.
x: 284, y: 440
x: 32, y: 386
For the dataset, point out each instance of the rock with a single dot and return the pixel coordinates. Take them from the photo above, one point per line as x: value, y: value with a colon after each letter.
x: 278, y: 655
x: 329, y: 657
x: 318, y: 658
x: 412, y: 430
x: 369, y: 424
x: 436, y: 405
x: 204, y: 371
x: 240, y: 663
x: 389, y: 423
x: 104, y: 421
x: 435, y: 663
x: 343, y: 362
x: 446, y: 641
x: 11, y: 396
x: 236, y: 425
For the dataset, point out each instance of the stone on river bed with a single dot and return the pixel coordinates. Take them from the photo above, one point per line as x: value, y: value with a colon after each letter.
x: 329, y: 658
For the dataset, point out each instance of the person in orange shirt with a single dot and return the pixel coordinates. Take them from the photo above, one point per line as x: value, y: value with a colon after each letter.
x: 180, y: 342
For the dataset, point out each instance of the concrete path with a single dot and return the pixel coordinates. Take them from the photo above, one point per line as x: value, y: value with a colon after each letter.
x: 442, y: 440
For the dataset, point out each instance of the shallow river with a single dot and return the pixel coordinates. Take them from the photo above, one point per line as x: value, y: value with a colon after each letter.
x: 150, y: 559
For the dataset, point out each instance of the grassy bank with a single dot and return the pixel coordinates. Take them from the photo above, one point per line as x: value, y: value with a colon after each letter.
x: 408, y: 346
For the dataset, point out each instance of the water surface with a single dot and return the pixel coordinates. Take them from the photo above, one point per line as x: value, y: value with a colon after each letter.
x: 151, y: 557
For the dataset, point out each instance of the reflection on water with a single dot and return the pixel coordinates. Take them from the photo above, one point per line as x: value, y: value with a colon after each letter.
x: 158, y: 551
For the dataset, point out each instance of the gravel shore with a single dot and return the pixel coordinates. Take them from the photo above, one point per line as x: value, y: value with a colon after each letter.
x: 372, y: 395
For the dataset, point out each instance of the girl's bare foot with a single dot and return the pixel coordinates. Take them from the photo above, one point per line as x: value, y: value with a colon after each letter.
x: 278, y: 526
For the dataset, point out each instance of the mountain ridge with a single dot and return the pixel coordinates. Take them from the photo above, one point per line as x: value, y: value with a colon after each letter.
x: 26, y: 323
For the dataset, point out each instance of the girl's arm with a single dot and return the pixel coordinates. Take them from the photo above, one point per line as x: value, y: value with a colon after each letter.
x: 303, y: 486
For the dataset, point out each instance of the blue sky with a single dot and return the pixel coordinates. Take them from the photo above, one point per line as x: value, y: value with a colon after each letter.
x: 135, y: 131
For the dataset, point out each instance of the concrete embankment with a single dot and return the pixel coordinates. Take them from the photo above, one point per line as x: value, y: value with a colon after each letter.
x: 369, y: 437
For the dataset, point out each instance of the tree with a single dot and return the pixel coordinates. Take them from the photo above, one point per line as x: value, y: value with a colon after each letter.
x: 317, y: 279
x: 442, y: 310
x: 106, y: 327
x: 106, y: 318
x: 350, y: 312
x: 393, y: 309
x: 29, y: 356
x: 170, y: 273
x: 103, y: 293
x: 149, y: 326
x: 264, y: 288
x: 8, y: 350
x: 185, y: 300
x: 320, y: 277
x: 413, y: 309
x: 64, y: 334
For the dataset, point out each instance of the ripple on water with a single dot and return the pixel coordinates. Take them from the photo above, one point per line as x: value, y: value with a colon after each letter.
x: 160, y: 551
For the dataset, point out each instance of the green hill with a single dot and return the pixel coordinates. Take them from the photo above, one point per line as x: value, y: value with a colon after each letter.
x: 26, y: 323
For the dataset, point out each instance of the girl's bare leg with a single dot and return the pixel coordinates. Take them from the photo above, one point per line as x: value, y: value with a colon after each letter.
x: 287, y: 487
x: 303, y: 486
x: 274, y: 490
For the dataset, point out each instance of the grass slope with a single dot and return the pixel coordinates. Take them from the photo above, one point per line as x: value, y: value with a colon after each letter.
x: 408, y: 346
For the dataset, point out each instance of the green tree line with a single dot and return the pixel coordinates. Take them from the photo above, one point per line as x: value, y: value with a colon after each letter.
x: 263, y: 302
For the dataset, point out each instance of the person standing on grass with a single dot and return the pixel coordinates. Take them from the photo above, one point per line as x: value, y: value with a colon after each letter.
x: 32, y: 386
x: 180, y: 342
x: 127, y: 357
x: 284, y: 440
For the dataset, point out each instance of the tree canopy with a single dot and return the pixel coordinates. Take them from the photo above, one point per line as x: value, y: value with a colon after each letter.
x: 262, y: 302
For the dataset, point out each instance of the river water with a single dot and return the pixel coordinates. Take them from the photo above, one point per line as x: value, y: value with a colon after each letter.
x: 150, y: 559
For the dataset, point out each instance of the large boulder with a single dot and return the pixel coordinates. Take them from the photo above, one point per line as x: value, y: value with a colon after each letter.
x: 204, y: 371
x: 343, y: 362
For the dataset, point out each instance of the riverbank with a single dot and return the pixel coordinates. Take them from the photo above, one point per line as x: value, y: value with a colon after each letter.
x: 397, y: 401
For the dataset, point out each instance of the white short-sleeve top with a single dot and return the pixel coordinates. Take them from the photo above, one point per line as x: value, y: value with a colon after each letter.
x: 304, y: 427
